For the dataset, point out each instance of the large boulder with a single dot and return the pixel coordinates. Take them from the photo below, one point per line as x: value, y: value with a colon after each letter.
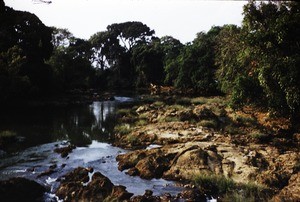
x: 21, y: 189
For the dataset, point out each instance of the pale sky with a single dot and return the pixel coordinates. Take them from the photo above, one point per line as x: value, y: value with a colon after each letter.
x: 182, y: 19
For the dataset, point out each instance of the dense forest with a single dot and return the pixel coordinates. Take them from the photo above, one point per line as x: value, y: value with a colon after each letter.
x: 256, y: 63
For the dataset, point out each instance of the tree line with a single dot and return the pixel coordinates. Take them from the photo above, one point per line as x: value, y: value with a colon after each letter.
x: 255, y: 63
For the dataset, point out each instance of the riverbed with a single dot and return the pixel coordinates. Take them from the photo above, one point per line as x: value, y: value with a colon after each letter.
x: 88, y: 127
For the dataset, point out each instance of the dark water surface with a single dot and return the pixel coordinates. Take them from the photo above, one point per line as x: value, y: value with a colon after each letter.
x: 89, y: 127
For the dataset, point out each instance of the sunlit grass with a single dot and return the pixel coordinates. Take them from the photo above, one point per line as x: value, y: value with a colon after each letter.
x: 228, y: 190
x: 123, y: 129
x: 158, y: 104
x: 183, y: 101
x: 208, y: 123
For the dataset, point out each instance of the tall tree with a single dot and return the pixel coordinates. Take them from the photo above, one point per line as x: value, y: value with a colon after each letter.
x: 32, y: 39
x: 196, y: 63
x: 273, y: 35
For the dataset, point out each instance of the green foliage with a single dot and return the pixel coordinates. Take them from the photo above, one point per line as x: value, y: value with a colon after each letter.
x: 211, y: 123
x: 196, y: 64
x: 123, y: 129
x: 7, y: 134
x: 214, y: 184
x: 148, y: 63
x: 259, y: 136
x: 25, y: 42
x: 258, y: 63
x: 158, y: 104
x: 228, y: 190
x: 183, y: 101
x: 132, y: 139
x: 70, y: 63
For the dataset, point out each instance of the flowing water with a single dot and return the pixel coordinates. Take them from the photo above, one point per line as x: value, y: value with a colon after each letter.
x: 41, y: 130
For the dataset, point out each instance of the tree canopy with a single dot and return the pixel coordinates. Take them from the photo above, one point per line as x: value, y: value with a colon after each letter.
x: 256, y: 63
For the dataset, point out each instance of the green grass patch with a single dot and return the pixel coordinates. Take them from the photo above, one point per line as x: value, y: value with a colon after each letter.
x: 158, y: 104
x: 208, y: 123
x: 213, y: 184
x: 123, y: 129
x: 176, y: 107
x: 245, y: 121
x: 198, y: 100
x: 259, y: 136
x: 123, y: 112
x: 183, y: 101
x: 132, y: 139
x: 171, y: 119
x: 228, y: 190
x: 7, y: 134
x: 233, y: 130
x: 141, y: 122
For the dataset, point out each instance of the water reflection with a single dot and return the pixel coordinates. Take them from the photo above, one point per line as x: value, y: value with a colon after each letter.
x: 80, y: 124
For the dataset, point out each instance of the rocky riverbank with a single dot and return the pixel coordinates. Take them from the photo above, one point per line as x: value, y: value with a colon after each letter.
x: 228, y: 154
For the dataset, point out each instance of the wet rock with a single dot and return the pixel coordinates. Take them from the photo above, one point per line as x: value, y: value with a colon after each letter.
x: 21, y: 189
x: 133, y: 172
x: 148, y: 193
x: 130, y: 159
x: 47, y: 172
x: 77, y: 186
x: 120, y: 193
x: 64, y: 151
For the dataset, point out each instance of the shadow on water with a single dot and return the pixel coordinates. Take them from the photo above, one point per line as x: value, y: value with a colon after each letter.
x: 78, y: 124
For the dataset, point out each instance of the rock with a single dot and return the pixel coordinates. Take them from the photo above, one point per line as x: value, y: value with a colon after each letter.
x: 77, y: 186
x: 47, y: 172
x: 64, y: 151
x: 148, y: 192
x: 291, y: 192
x: 193, y: 195
x: 152, y: 166
x: 21, y: 189
x: 133, y: 171
x: 130, y: 159
x: 120, y: 193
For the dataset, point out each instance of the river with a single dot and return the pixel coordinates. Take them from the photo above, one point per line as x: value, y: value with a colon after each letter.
x: 89, y: 127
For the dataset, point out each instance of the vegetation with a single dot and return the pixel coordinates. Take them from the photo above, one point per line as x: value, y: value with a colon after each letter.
x: 227, y: 189
x: 257, y: 63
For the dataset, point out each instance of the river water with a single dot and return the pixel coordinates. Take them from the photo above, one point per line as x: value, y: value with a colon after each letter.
x: 89, y: 127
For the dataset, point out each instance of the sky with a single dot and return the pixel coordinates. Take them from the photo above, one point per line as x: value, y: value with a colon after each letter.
x: 181, y: 19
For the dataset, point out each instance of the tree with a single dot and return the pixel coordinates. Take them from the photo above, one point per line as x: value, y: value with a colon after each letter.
x: 171, y: 48
x: 113, y: 51
x: 273, y: 36
x: 131, y: 33
x: 33, y: 41
x: 71, y: 61
x: 148, y: 63
x: 236, y: 67
x: 196, y: 63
